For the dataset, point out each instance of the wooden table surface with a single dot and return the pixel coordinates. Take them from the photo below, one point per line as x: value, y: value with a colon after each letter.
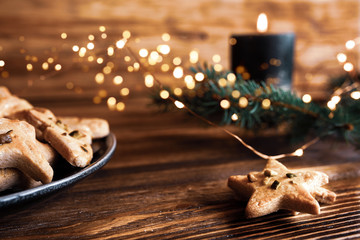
x: 167, y: 179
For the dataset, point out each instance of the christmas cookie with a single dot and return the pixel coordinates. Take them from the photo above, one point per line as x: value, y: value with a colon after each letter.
x: 277, y: 187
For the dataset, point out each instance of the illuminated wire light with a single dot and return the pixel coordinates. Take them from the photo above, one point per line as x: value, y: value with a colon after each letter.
x: 194, y: 56
x: 75, y: 48
x: 179, y: 104
x: 348, y: 67
x: 2, y: 63
x: 143, y: 52
x: 266, y: 103
x: 117, y: 80
x: 243, y: 102
x: 234, y: 117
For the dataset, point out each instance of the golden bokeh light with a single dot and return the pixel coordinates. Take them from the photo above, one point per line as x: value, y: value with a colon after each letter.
x: 199, y: 76
x: 266, y: 103
x: 99, y: 78
x: 124, y: 92
x: 178, y: 72
x: 164, y: 94
x: 149, y: 80
x: 355, y: 95
x: 165, y: 37
x: 143, y: 52
x: 225, y: 104
x: 306, y: 98
x: 117, y: 80
x: 179, y: 104
x: 243, y: 102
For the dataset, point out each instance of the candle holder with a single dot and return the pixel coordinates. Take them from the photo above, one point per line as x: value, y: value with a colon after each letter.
x: 264, y: 57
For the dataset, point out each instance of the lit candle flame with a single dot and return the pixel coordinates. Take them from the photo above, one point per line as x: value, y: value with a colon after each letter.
x: 262, y: 23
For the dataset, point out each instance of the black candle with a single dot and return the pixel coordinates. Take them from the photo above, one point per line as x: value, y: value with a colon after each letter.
x: 264, y: 57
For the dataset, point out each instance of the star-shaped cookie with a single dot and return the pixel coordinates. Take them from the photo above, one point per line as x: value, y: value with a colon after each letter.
x: 277, y: 187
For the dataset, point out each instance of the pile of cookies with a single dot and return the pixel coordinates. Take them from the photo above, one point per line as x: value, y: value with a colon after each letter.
x: 31, y: 139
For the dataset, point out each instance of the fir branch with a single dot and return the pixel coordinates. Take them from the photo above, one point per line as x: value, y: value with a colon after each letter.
x: 302, y: 118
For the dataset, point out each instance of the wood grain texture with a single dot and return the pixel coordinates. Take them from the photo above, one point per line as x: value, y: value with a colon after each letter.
x: 167, y: 178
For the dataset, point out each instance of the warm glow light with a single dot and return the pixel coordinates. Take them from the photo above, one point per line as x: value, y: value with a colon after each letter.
x: 125, y: 91
x: 336, y: 99
x: 2, y: 63
x: 120, y: 106
x: 194, y: 56
x: 178, y: 72
x: 45, y: 66
x: 127, y: 58
x: 102, y: 93
x: 178, y: 91
x: 154, y: 56
x: 218, y: 67
x: 102, y: 29
x: 189, y: 81
x: 100, y: 60
x: 107, y: 70
x: 163, y: 49
x: 306, y: 98
x: 111, y: 103
x: 331, y: 105
x: 90, y: 46
x: 266, y: 103
x: 126, y: 34
x: 177, y: 61
x: 262, y: 23
x: 199, y: 76
x: 149, y: 80
x: 121, y: 43
x: 231, y: 77
x: 348, y: 67
x: 117, y: 80
x: 57, y: 67
x: 29, y: 67
x: 179, y: 104
x: 91, y: 37
x: 165, y: 37
x: 243, y: 102
x: 222, y: 82
x: 299, y: 152
x: 96, y: 99
x: 164, y: 94
x: 90, y: 58
x: 82, y: 52
x: 63, y: 35
x: 110, y: 51
x: 99, y: 78
x: 143, y: 52
x: 225, y: 104
x: 341, y: 57
x: 136, y: 66
x: 350, y: 44
x: 165, y: 67
x: 235, y: 94
x: 103, y: 35
x: 50, y: 60
x: 75, y: 48
x: 355, y: 95
x: 234, y: 117
x: 216, y: 58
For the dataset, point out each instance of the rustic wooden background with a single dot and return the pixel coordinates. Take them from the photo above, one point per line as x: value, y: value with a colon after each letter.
x: 321, y: 27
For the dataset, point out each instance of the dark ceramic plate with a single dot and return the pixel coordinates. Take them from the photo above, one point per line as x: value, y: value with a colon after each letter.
x: 64, y: 175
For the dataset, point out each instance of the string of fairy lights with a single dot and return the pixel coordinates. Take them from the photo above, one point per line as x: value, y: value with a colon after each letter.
x: 104, y: 53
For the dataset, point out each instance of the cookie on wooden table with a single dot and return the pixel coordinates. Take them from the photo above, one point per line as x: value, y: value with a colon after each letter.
x: 277, y: 187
